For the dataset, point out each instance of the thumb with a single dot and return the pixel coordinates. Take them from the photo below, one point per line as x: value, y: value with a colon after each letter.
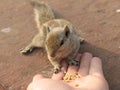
x: 37, y: 77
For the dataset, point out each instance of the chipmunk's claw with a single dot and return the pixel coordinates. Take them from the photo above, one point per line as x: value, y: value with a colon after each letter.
x: 74, y: 62
x: 56, y: 70
x: 26, y: 51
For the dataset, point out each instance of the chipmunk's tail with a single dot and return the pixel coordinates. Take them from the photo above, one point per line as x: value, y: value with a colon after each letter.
x: 43, y: 12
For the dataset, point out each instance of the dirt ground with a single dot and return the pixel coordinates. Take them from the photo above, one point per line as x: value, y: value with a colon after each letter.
x: 98, y: 21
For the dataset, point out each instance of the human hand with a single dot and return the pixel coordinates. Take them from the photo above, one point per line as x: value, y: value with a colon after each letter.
x: 90, y: 72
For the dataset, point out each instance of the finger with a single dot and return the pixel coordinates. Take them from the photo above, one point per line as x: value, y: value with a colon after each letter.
x: 37, y: 77
x: 85, y: 64
x: 73, y: 69
x: 60, y: 75
x: 30, y: 87
x: 96, y: 67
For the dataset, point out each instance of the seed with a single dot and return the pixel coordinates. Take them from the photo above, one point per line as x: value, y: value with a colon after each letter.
x: 76, y: 85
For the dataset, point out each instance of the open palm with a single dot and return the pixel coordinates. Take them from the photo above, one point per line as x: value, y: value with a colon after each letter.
x: 90, y: 72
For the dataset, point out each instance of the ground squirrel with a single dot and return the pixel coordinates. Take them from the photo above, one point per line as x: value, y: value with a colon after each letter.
x: 57, y: 36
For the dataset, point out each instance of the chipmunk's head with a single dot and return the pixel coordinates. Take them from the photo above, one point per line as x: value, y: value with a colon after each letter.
x: 55, y: 39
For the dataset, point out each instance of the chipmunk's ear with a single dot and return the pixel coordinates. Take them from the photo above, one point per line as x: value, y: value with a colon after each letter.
x: 48, y: 29
x: 67, y: 31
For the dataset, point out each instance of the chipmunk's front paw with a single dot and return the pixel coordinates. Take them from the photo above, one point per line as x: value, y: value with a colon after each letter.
x: 74, y: 62
x: 26, y: 50
x: 56, y: 70
x: 82, y: 40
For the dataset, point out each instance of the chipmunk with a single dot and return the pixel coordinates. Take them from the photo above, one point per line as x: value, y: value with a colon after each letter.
x: 57, y: 36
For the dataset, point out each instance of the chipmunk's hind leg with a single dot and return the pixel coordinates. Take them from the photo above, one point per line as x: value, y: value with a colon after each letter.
x: 37, y: 42
x: 28, y: 49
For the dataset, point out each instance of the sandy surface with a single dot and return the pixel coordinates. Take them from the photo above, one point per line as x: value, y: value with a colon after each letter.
x: 99, y: 21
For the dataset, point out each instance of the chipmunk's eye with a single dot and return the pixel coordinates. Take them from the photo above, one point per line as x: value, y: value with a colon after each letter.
x: 62, y: 42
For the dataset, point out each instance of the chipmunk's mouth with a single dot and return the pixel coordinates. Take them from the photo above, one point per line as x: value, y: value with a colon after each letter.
x: 53, y: 55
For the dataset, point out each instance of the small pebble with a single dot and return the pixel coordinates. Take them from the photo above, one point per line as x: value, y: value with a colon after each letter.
x: 118, y: 10
x: 5, y: 30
